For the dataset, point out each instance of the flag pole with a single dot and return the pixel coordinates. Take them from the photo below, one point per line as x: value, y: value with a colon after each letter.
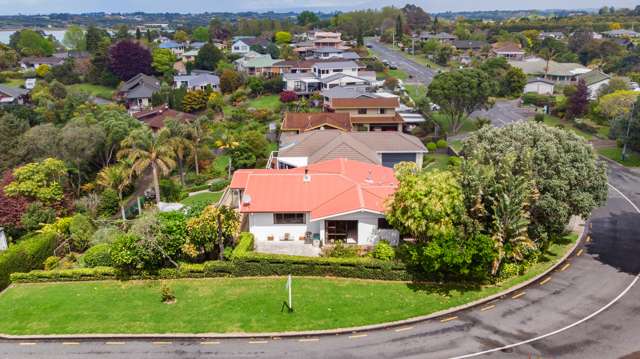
x: 290, y: 298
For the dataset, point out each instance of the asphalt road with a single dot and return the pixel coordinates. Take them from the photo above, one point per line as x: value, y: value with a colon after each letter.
x: 421, y: 74
x: 505, y: 112
x: 588, y: 308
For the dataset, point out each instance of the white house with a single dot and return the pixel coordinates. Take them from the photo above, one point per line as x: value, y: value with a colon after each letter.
x: 539, y: 86
x: 176, y: 47
x: 242, y: 45
x: 197, y: 81
x: 12, y: 95
x: 595, y: 80
x: 324, y: 203
x: 327, y: 74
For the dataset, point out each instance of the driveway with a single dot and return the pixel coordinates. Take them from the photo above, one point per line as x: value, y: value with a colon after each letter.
x: 421, y: 74
x: 505, y: 112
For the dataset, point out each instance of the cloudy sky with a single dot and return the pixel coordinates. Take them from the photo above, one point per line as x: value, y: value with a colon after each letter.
x: 185, y: 6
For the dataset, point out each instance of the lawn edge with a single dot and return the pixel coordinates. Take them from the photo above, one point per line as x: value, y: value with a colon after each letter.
x: 350, y: 330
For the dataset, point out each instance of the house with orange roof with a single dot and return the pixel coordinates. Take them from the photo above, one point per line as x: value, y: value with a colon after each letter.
x: 299, y: 210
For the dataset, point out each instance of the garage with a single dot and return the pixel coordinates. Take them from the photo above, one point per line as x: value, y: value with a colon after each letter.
x: 391, y: 159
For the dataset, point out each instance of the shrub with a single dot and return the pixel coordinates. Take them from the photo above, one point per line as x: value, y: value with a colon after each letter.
x: 586, y: 125
x: 36, y: 215
x: 442, y: 144
x: 26, y: 255
x: 105, y: 235
x: 340, y: 250
x: 170, y: 190
x: 81, y: 230
x: 166, y: 294
x: 383, y: 251
x: 124, y: 252
x: 98, y: 256
x: 219, y: 185
x: 454, y: 161
x: 109, y: 203
x: 539, y: 117
x: 245, y: 244
x: 432, y: 146
x: 288, y: 96
x: 51, y: 263
x: 532, y: 98
x: 98, y: 273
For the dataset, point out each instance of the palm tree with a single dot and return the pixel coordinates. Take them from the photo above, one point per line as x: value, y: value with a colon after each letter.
x: 199, y: 133
x: 547, y: 54
x: 180, y: 142
x: 148, y: 150
x: 116, y: 177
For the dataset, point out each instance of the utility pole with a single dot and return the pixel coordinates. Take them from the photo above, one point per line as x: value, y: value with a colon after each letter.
x: 229, y: 175
x: 393, y: 40
x: 413, y: 45
x: 626, y: 139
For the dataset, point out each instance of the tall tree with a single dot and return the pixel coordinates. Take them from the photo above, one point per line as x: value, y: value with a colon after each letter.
x: 208, y: 57
x: 578, y: 103
x: 93, y: 38
x: 128, y: 58
x: 163, y: 60
x: 74, y: 38
x: 145, y: 150
x: 200, y: 33
x: 307, y: 18
x: 80, y: 141
x: 199, y: 134
x: 116, y: 177
x: 181, y: 143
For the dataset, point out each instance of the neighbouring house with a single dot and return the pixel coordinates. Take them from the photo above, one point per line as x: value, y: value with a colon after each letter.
x: 136, y: 93
x: 312, y: 146
x: 294, y: 123
x: 180, y: 68
x: 32, y: 63
x: 253, y: 63
x: 177, y: 48
x: 468, y: 49
x: 508, y: 50
x: 155, y: 117
x: 327, y: 75
x: 30, y: 83
x: 317, y: 40
x: 13, y: 95
x: 297, y: 211
x: 556, y: 35
x: 295, y: 66
x: 558, y: 72
x: 440, y: 37
x: 243, y: 45
x: 196, y: 45
x: 595, y: 80
x: 197, y: 81
x: 621, y: 33
x: 368, y: 111
x: 190, y: 56
x: 540, y: 86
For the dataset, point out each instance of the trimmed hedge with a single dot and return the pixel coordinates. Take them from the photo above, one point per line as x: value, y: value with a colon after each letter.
x: 245, y: 244
x: 219, y: 185
x: 27, y: 255
x: 64, y: 275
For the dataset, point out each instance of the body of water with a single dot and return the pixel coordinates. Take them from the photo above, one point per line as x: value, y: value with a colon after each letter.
x: 6, y: 34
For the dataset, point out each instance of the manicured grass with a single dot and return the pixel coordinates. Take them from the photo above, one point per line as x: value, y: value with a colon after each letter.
x: 397, y: 73
x: 468, y: 124
x: 94, y: 90
x: 558, y: 122
x: 416, y: 92
x: 269, y: 102
x: 14, y: 82
x: 206, y: 197
x: 434, y: 161
x: 231, y: 304
x: 456, y: 144
x: 615, y: 153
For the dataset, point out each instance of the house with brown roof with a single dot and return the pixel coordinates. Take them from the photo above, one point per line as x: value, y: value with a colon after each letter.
x: 299, y: 122
x: 386, y: 149
x: 155, y: 117
x: 369, y: 113
x: 509, y: 50
x: 296, y: 211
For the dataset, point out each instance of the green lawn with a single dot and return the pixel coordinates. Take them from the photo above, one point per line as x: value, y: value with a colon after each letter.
x: 468, y: 124
x: 14, y: 82
x: 615, y: 153
x: 397, y: 73
x: 230, y: 304
x: 221, y: 164
x: 434, y: 161
x: 416, y: 92
x: 94, y: 90
x: 558, y: 122
x: 456, y: 144
x: 206, y: 197
x: 269, y: 102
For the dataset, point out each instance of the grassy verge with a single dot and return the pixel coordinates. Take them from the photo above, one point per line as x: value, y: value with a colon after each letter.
x: 615, y: 153
x: 94, y: 90
x: 434, y: 161
x: 205, y: 197
x: 14, y: 82
x: 232, y: 305
x: 468, y: 124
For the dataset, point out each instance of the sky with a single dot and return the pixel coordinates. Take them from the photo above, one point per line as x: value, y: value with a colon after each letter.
x: 9, y: 7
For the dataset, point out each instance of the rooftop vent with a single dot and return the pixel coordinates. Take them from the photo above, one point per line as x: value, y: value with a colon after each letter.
x: 307, y: 177
x: 246, y: 199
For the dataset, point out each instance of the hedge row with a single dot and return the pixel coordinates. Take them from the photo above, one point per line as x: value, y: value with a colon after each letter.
x: 248, y: 265
x: 245, y: 245
x: 27, y: 255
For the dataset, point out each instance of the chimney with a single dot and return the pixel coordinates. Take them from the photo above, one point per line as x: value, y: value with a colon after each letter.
x: 307, y: 177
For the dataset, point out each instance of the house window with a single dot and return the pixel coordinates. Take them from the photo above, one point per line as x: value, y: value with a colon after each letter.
x: 383, y: 111
x: 341, y: 231
x: 288, y: 218
x: 362, y: 111
x: 337, y: 70
x: 383, y: 224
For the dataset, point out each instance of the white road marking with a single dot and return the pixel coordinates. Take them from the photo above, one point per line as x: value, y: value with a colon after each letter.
x: 70, y: 343
x: 209, y: 343
x: 403, y: 329
x: 448, y: 319
x: 258, y: 342
x: 356, y: 336
x: 161, y: 343
x: 307, y: 340
x: 27, y: 344
x: 518, y: 295
x: 115, y: 343
x: 488, y: 307
x: 563, y: 329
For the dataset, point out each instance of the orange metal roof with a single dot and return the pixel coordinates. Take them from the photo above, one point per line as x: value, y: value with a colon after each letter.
x: 334, y: 187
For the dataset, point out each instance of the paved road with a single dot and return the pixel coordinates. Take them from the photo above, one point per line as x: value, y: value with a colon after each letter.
x: 420, y: 73
x: 601, y: 274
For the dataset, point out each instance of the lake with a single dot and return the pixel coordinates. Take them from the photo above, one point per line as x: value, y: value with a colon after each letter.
x: 6, y: 34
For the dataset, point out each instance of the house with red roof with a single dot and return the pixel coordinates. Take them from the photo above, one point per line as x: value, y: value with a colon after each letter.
x: 296, y: 211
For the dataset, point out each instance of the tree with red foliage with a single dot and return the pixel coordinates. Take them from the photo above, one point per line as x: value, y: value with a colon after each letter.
x: 128, y: 58
x: 11, y: 208
x: 579, y: 101
x: 288, y: 96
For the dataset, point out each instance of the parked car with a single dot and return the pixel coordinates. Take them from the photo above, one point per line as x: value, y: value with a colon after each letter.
x: 393, y: 66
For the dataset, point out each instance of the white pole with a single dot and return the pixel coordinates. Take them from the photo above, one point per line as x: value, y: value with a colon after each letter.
x: 290, y: 299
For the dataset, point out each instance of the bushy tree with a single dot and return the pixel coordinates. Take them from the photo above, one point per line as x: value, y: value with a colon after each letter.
x: 32, y: 43
x: 578, y: 103
x: 36, y: 215
x: 163, y: 60
x: 200, y: 33
x: 208, y: 57
x: 11, y: 207
x: 74, y: 38
x: 230, y: 80
x: 617, y: 104
x: 307, y: 18
x: 41, y: 181
x: 283, y: 37
x: 194, y: 101
x: 209, y: 232
x: 128, y: 58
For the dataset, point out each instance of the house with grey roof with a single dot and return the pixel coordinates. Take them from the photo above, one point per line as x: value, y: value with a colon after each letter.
x: 12, y: 95
x: 136, y: 93
x: 380, y: 148
x: 243, y: 45
x: 595, y: 80
x: 440, y: 37
x: 197, y: 81
x: 253, y: 63
x: 32, y: 63
x: 621, y: 33
x: 558, y: 72
x: 177, y: 48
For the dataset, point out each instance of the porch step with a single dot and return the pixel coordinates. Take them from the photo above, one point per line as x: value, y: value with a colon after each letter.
x: 293, y: 248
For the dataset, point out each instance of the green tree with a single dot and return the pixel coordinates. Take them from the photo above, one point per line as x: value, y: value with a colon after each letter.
x: 617, y: 104
x: 230, y: 80
x: 123, y: 33
x: 40, y: 181
x: 80, y: 142
x: 199, y: 134
x: 145, y: 150
x: 8, y: 58
x: 74, y: 38
x: 283, y: 37
x: 182, y: 145
x: 307, y: 18
x: 32, y: 43
x: 200, y: 33
x: 569, y: 180
x: 459, y: 93
x: 214, y: 227
x: 208, y: 57
x: 116, y: 177
x: 93, y: 38
x: 181, y: 36
x: 11, y: 129
x: 194, y: 101
x: 163, y: 60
